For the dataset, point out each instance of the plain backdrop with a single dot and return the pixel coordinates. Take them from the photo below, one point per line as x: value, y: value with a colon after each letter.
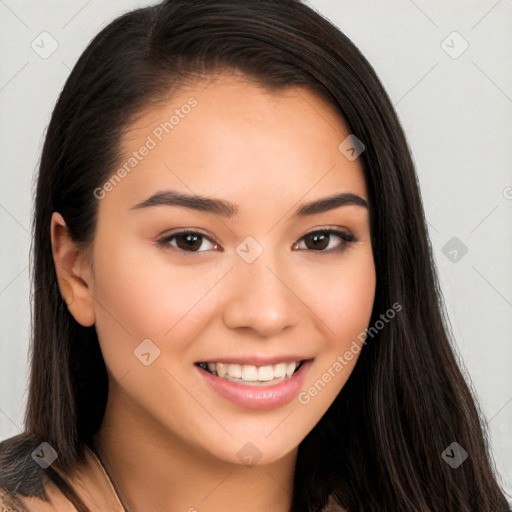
x: 446, y: 67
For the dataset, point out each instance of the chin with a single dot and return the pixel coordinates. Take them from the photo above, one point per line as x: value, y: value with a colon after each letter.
x: 253, y: 448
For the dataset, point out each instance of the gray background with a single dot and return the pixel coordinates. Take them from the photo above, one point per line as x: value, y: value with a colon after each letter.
x: 456, y: 108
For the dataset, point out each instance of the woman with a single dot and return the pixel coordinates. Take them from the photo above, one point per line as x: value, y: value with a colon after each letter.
x: 227, y: 227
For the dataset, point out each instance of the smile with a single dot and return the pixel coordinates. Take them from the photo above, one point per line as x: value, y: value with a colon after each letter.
x: 270, y: 374
x: 255, y: 387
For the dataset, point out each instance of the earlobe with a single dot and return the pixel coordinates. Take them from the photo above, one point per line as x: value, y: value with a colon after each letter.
x: 70, y: 266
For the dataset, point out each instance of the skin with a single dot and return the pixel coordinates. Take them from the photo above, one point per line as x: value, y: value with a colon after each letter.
x: 169, y: 441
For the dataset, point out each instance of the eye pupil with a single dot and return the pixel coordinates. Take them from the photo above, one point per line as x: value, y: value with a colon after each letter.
x: 196, y: 243
x: 316, y: 241
x: 316, y: 237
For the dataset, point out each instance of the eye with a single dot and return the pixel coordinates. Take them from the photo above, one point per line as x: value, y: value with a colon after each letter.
x: 319, y: 241
x: 188, y: 241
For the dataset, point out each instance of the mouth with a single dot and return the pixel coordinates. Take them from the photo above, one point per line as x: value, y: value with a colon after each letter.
x: 252, y: 375
x: 263, y: 387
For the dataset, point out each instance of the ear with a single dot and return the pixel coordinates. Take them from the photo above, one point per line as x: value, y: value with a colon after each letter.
x: 73, y: 272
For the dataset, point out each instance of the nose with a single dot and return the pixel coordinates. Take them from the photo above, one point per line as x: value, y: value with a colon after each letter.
x: 261, y: 298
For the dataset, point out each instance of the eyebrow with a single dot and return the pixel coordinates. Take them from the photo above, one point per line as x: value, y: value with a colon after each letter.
x: 228, y: 209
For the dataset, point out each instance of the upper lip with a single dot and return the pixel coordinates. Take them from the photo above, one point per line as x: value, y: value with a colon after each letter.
x: 256, y: 360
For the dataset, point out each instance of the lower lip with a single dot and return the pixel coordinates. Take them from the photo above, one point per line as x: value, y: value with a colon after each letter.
x: 258, y: 397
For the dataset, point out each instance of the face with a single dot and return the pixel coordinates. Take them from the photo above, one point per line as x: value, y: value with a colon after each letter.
x: 253, y: 283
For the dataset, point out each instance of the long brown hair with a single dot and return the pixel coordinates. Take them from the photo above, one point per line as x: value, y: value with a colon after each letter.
x: 379, y: 446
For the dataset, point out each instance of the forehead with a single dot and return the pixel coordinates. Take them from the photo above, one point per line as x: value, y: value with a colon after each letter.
x: 230, y: 135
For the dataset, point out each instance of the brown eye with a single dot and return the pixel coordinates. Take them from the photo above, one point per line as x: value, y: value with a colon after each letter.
x: 320, y: 240
x: 188, y: 241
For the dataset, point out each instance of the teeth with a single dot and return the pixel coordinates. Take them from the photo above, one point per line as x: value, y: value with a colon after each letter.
x: 251, y: 373
x: 221, y: 370
x: 266, y: 373
x: 280, y: 370
x: 290, y: 369
x: 235, y: 370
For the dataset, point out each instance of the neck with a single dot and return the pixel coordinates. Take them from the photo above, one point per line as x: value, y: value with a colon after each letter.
x: 150, y: 467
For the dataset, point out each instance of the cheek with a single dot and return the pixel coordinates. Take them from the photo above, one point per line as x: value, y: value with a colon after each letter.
x: 351, y: 305
x: 344, y: 303
x: 140, y: 298
x: 342, y: 295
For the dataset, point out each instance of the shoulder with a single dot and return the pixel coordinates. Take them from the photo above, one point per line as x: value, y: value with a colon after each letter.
x: 13, y: 502
x: 10, y: 503
x: 18, y: 476
x: 26, y: 487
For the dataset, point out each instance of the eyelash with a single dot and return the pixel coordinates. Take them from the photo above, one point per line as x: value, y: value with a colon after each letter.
x: 347, y: 239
